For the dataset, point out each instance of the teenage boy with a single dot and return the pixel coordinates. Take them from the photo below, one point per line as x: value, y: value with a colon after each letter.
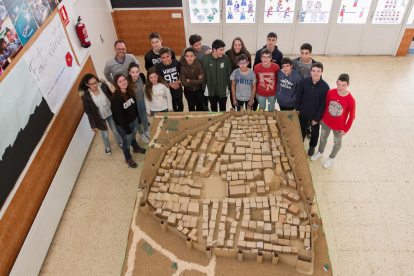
x: 192, y: 77
x: 266, y: 74
x: 170, y: 69
x: 276, y: 55
x: 243, y: 84
x: 288, y: 85
x: 302, y: 65
x: 217, y: 71
x: 153, y: 56
x: 338, y: 117
x: 200, y: 50
x: 310, y: 104
x: 119, y: 64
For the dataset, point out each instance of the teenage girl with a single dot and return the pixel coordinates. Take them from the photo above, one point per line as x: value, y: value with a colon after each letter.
x: 157, y: 93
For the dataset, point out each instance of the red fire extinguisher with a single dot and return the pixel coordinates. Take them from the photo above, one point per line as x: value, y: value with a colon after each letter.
x: 82, y: 34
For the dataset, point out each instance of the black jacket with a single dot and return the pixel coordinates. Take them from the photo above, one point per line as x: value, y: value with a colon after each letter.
x: 311, y: 98
x: 124, y: 113
x: 92, y: 110
x: 276, y: 57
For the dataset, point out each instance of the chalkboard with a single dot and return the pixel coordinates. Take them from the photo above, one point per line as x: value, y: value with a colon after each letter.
x: 146, y: 4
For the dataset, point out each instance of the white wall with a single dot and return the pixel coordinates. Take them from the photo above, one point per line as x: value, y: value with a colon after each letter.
x: 96, y: 15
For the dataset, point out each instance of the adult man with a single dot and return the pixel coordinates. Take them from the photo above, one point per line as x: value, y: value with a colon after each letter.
x: 153, y: 56
x: 217, y: 70
x: 119, y: 64
x: 14, y: 44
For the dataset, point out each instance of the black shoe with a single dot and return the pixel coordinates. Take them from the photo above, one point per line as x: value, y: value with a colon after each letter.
x: 140, y: 150
x: 131, y: 163
x: 311, y: 151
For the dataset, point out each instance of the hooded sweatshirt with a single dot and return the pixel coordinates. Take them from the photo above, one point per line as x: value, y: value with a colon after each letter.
x: 287, y: 88
x: 124, y: 113
x: 276, y: 56
x: 217, y: 74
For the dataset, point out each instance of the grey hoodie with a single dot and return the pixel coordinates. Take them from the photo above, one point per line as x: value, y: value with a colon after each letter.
x: 287, y: 88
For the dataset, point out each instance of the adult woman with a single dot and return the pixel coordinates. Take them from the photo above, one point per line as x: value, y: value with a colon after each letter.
x: 137, y: 81
x: 97, y: 106
x: 237, y: 48
x: 125, y: 112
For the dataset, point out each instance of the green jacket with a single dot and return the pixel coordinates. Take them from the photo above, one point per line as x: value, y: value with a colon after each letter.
x: 217, y: 74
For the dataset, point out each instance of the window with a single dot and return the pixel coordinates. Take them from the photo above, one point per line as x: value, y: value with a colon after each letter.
x: 315, y: 11
x: 353, y: 11
x: 389, y: 11
x: 240, y: 11
x: 204, y: 11
x: 279, y: 11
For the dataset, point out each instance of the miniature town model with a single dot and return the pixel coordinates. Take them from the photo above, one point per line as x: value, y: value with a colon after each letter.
x: 229, y: 187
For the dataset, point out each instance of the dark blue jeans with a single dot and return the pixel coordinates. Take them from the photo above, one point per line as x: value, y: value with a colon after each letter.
x: 242, y: 103
x: 153, y: 112
x: 129, y: 139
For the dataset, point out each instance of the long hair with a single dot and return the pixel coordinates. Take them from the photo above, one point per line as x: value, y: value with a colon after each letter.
x: 118, y: 90
x: 129, y: 78
x: 82, y: 85
x: 148, y: 85
x: 232, y: 53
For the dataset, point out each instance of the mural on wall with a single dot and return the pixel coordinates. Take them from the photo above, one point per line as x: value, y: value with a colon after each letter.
x: 204, y: 11
x: 279, y: 11
x: 240, y: 11
x: 315, y: 11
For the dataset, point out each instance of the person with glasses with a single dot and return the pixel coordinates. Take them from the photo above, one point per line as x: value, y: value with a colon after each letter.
x: 119, y: 64
x: 266, y: 74
x: 97, y: 106
x: 243, y: 84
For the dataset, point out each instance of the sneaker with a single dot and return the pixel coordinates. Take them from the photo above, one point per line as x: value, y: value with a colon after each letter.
x: 311, y: 151
x: 328, y: 163
x: 131, y: 163
x: 108, y: 151
x: 316, y: 156
x: 148, y: 134
x: 144, y: 138
x: 120, y: 145
x: 140, y: 150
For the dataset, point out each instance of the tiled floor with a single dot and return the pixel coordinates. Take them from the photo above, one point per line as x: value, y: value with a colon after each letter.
x: 365, y: 198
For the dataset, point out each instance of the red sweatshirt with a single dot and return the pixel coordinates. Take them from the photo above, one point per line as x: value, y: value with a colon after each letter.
x: 337, y: 110
x: 266, y: 79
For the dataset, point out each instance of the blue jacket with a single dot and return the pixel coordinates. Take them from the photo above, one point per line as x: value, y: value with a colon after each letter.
x: 276, y: 57
x: 287, y: 88
x: 311, y: 98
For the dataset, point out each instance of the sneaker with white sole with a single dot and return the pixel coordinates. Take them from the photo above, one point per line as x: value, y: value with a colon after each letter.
x: 148, y: 134
x: 144, y: 138
x: 108, y: 151
x: 316, y: 156
x: 328, y: 163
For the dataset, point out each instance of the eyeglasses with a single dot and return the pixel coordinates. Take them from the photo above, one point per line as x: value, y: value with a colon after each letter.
x: 94, y: 83
x: 266, y: 57
x: 242, y: 63
x: 121, y: 49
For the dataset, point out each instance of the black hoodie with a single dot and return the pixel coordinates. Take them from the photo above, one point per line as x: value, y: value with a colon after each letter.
x: 124, y: 113
x: 276, y: 57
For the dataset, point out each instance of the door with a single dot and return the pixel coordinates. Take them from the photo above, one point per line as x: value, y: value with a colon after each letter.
x: 314, y: 18
x: 384, y: 26
x: 203, y: 18
x: 240, y: 20
x: 277, y: 16
x: 348, y: 27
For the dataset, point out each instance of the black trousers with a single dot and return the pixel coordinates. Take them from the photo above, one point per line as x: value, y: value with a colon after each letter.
x: 305, y: 120
x: 283, y: 108
x: 214, y: 100
x: 255, y: 103
x: 195, y: 99
x: 205, y: 102
x: 178, y: 104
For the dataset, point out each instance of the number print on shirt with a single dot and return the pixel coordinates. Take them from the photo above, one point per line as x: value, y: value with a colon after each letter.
x: 335, y: 109
x: 169, y: 76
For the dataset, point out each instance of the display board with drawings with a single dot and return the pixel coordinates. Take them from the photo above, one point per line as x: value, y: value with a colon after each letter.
x: 279, y: 11
x: 411, y: 17
x: 204, y: 11
x: 240, y: 11
x: 389, y: 11
x: 353, y: 12
x: 315, y: 11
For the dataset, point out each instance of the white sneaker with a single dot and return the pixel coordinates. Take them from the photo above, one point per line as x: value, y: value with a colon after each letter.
x: 108, y: 151
x: 148, y: 134
x: 144, y: 138
x: 328, y: 163
x: 316, y: 156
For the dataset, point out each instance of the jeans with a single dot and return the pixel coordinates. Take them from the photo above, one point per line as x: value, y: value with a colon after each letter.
x: 242, y: 103
x: 178, y: 104
x: 305, y: 120
x: 214, y: 100
x: 129, y: 139
x: 143, y: 114
x: 195, y: 99
x: 283, y: 108
x: 324, y: 137
x: 105, y: 133
x: 153, y: 112
x: 271, y: 100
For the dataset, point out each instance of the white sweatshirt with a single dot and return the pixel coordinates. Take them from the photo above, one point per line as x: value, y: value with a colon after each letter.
x: 161, y: 99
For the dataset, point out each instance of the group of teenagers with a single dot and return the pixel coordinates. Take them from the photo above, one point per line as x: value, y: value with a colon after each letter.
x: 208, y: 76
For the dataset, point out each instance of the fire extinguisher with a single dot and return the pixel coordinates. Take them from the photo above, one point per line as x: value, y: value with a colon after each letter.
x: 82, y: 34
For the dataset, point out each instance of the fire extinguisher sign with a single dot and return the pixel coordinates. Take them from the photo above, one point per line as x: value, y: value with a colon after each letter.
x: 64, y: 15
